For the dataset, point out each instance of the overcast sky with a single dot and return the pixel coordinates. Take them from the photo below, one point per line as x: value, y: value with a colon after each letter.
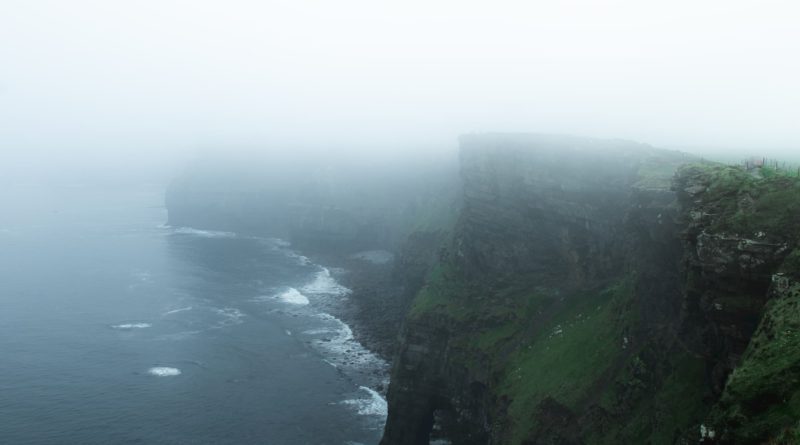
x: 124, y: 79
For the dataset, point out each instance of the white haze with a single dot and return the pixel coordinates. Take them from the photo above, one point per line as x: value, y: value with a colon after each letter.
x: 113, y: 84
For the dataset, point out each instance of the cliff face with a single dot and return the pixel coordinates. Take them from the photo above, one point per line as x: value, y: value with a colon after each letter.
x: 554, y: 213
x: 584, y: 297
x: 741, y: 292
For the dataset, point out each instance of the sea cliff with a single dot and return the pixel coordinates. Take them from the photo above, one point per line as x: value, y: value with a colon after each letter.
x: 601, y: 292
x: 555, y: 290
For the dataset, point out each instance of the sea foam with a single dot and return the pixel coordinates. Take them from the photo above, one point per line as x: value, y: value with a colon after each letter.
x: 164, y: 371
x: 175, y: 311
x: 374, y: 405
x: 301, y: 259
x: 231, y: 316
x: 293, y: 296
x: 342, y: 348
x: 128, y: 326
x: 325, y: 284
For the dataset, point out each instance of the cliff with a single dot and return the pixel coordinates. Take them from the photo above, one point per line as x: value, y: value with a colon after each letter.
x: 587, y: 297
x: 554, y: 290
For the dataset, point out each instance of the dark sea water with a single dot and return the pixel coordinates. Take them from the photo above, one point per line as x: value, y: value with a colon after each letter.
x: 117, y: 329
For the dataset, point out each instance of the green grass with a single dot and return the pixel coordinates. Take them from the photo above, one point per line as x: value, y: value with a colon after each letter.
x: 762, y: 396
x: 791, y: 265
x: 777, y: 168
x: 744, y: 204
x: 447, y: 293
x: 489, y: 338
x: 429, y: 296
x: 566, y: 356
x: 788, y: 436
x: 673, y: 406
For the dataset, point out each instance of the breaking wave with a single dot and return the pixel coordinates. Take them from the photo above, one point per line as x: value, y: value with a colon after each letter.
x: 341, y: 347
x: 374, y: 405
x: 325, y: 284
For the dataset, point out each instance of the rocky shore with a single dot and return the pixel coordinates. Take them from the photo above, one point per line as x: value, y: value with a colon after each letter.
x: 373, y: 309
x: 383, y: 285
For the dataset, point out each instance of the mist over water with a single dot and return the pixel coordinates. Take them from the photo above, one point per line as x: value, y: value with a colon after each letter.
x: 116, y: 328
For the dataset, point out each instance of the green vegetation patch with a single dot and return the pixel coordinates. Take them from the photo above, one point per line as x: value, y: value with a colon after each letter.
x: 788, y: 436
x: 567, y: 356
x: 439, y: 293
x: 791, y: 265
x: 744, y: 203
x: 664, y: 411
x: 762, y: 396
x: 447, y: 293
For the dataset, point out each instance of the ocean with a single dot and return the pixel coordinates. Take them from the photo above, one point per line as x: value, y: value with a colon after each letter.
x: 115, y: 328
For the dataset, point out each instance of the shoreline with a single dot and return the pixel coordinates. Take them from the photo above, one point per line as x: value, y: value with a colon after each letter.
x: 374, y: 308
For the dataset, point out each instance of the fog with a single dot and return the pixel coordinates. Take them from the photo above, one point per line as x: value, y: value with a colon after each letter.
x: 113, y: 86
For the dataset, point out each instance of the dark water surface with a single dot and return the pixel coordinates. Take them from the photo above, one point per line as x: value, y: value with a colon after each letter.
x: 117, y: 329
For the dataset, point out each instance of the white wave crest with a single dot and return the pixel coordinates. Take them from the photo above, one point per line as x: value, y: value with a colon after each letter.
x: 128, y: 326
x: 293, y: 296
x: 164, y: 371
x: 342, y: 349
x: 204, y: 233
x: 175, y: 311
x: 374, y: 405
x: 325, y: 284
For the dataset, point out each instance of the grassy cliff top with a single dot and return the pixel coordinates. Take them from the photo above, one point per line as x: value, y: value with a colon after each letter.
x: 758, y: 203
